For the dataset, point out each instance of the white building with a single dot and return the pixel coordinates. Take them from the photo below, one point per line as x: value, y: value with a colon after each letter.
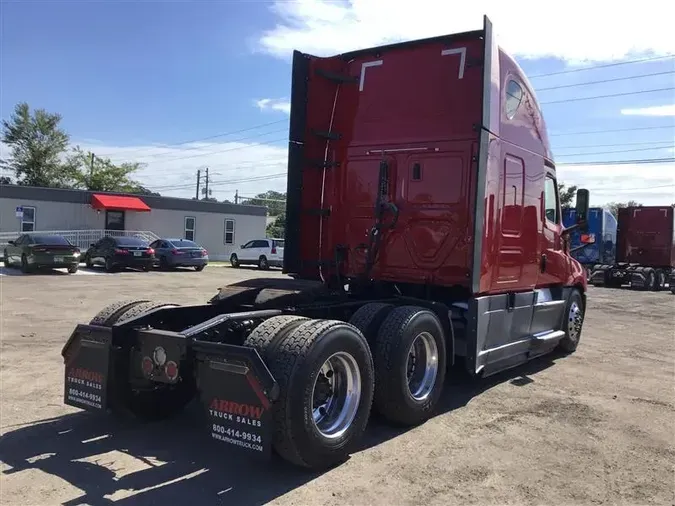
x: 84, y: 216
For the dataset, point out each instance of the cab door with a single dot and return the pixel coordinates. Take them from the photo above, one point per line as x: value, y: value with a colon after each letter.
x: 553, y: 262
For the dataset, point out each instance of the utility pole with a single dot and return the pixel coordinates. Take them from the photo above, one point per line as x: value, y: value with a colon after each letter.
x: 236, y: 196
x: 91, y: 167
x: 198, y: 179
x: 206, y: 183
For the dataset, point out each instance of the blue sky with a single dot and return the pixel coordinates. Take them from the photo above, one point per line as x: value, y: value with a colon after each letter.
x: 132, y: 79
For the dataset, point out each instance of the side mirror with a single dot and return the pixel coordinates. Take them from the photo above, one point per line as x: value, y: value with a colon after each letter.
x: 92, y: 245
x: 241, y: 246
x: 582, y: 206
x: 11, y: 242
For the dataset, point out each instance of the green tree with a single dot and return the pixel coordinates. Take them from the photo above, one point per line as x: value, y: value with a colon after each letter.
x: 274, y: 201
x: 37, y: 148
x: 615, y: 206
x: 94, y: 173
x: 5, y: 180
x: 277, y: 228
x: 567, y: 195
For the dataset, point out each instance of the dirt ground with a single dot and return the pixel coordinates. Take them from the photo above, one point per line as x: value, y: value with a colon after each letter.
x: 596, y: 427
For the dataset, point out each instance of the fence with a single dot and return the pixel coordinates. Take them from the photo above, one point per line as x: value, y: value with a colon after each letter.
x: 83, y: 238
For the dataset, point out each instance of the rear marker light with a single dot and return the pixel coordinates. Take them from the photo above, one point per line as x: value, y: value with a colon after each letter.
x: 151, y: 251
x: 159, y: 356
x: 147, y: 366
x: 171, y: 370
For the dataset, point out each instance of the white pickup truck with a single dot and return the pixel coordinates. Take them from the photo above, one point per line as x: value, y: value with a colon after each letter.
x: 264, y: 253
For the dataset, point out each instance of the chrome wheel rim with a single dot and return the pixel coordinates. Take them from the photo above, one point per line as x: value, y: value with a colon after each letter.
x: 336, y: 395
x: 574, y: 321
x: 422, y: 366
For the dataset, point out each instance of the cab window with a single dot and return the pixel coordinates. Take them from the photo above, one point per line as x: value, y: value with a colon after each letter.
x: 551, y: 200
x: 514, y: 96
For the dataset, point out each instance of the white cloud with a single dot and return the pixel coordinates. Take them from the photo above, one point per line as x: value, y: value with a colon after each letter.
x: 659, y: 110
x: 575, y: 31
x: 275, y: 104
x: 649, y: 184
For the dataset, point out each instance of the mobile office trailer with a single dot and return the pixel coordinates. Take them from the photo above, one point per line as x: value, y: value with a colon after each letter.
x: 423, y: 229
x: 645, y: 253
x: 598, y: 244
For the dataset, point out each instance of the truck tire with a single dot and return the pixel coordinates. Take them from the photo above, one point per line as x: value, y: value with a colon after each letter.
x: 108, y: 315
x: 266, y: 337
x: 650, y: 276
x: 660, y: 283
x: 573, y: 322
x: 325, y: 373
x: 404, y: 393
x: 368, y: 319
x: 144, y: 399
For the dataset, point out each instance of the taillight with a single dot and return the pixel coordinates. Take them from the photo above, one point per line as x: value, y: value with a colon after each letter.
x: 176, y: 252
x: 274, y: 250
x: 151, y: 251
x: 204, y: 252
x: 121, y: 252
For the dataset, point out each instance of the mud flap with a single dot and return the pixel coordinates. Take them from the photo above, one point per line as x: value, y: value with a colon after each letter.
x: 237, y: 391
x: 86, y: 356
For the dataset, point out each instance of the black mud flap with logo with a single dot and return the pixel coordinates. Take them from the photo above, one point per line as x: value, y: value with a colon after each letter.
x: 237, y: 391
x: 86, y: 357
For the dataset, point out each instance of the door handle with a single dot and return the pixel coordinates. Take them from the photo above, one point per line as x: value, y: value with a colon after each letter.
x: 543, y: 263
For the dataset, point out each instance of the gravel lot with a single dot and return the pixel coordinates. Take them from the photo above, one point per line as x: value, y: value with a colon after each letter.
x: 597, y: 427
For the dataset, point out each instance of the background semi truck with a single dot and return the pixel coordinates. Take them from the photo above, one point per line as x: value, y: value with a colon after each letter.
x: 597, y: 245
x: 645, y: 253
x: 424, y: 230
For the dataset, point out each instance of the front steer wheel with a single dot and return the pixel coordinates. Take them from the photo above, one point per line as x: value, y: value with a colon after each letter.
x: 572, y: 323
x: 325, y: 373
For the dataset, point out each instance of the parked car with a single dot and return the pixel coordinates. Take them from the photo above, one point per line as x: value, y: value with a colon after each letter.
x: 120, y: 252
x: 35, y: 251
x: 264, y: 253
x: 170, y: 253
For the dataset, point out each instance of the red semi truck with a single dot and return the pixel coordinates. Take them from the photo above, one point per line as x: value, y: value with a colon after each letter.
x: 423, y: 230
x: 645, y: 250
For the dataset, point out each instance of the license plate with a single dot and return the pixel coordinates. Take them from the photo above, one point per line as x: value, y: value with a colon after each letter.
x: 58, y: 259
x: 138, y: 253
x: 196, y: 254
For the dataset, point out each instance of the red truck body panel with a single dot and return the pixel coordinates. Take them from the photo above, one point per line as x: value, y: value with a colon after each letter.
x: 646, y: 236
x: 465, y: 172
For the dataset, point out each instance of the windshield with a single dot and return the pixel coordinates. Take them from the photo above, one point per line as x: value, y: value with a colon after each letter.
x: 131, y: 241
x: 184, y: 243
x: 50, y: 239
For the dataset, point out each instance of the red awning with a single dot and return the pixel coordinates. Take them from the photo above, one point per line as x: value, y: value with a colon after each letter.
x: 118, y: 203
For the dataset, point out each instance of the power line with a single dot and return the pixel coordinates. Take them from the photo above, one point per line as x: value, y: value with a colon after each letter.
x: 613, y: 131
x: 602, y: 66
x: 621, y: 162
x: 612, y: 145
x: 602, y: 81
x: 578, y: 99
x: 209, y: 137
x: 248, y: 146
x: 610, y: 152
x: 202, y: 147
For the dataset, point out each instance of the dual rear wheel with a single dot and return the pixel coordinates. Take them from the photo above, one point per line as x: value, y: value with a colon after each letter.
x: 331, y: 374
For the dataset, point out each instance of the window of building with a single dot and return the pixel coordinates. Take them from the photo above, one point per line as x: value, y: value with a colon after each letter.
x: 514, y: 96
x: 28, y: 219
x: 229, y: 231
x: 190, y: 223
x: 551, y: 200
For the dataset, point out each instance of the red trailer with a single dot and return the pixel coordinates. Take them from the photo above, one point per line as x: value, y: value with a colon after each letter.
x: 645, y: 251
x: 423, y: 230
